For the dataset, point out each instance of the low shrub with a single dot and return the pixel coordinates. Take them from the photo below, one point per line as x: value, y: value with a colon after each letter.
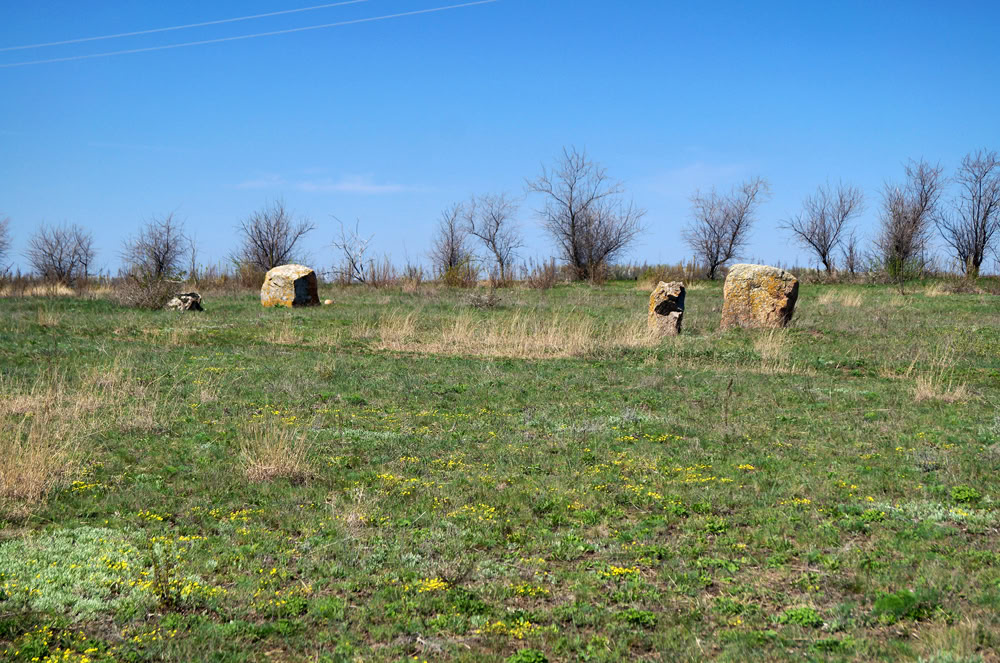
x: 906, y: 604
x: 802, y: 616
x: 464, y: 275
x: 541, y: 276
x: 485, y: 300
x: 145, y: 293
x: 275, y: 450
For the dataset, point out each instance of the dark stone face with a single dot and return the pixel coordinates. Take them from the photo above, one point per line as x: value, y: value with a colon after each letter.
x: 671, y: 304
x: 793, y: 296
x: 302, y: 295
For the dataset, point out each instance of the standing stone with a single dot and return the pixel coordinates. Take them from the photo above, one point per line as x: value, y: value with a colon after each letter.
x: 185, y: 301
x: 758, y: 296
x: 289, y: 285
x: 666, y: 308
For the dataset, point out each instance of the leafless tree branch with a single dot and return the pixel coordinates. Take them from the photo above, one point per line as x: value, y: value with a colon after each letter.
x: 490, y: 219
x: 824, y: 219
x: 355, y: 265
x: 449, y: 248
x: 271, y: 237
x: 61, y: 253
x: 5, y: 243
x: 972, y: 226
x: 851, y: 254
x: 585, y: 212
x: 159, y: 249
x: 908, y: 213
x: 721, y: 224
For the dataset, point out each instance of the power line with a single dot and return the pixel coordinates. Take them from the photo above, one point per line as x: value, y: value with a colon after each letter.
x: 180, y: 27
x: 253, y: 36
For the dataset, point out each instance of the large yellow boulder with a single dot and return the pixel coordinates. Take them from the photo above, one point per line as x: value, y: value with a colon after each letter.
x: 758, y: 296
x: 666, y: 308
x: 290, y: 285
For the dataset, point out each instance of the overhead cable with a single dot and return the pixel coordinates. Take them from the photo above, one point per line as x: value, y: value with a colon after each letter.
x: 253, y: 36
x: 181, y: 27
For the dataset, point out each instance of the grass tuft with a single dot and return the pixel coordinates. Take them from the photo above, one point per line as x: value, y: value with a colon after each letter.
x: 846, y: 299
x: 275, y: 450
x: 773, y: 347
x: 518, y: 335
x: 37, y: 454
x: 938, y: 384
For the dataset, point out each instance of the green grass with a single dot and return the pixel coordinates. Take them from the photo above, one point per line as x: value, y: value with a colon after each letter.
x: 828, y: 492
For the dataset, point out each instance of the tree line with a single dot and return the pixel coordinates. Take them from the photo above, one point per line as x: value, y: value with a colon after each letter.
x: 592, y: 223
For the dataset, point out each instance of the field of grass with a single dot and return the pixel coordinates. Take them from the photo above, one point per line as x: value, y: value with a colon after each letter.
x: 407, y: 476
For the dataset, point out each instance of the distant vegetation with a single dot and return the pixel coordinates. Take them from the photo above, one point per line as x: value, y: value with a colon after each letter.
x: 592, y: 225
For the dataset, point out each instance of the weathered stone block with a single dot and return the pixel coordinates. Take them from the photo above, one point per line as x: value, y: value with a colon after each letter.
x: 185, y: 301
x: 666, y: 308
x: 290, y: 285
x: 758, y: 296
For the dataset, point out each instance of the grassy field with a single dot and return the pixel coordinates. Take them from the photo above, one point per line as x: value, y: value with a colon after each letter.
x: 409, y: 476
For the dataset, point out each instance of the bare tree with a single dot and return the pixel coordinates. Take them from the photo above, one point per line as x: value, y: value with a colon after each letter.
x: 158, y: 251
x: 355, y: 265
x: 721, y: 224
x: 851, y: 254
x: 490, y: 219
x: 908, y: 213
x: 972, y: 226
x: 193, y: 259
x: 449, y: 249
x: 585, y: 212
x: 4, y: 242
x: 824, y: 219
x: 61, y: 253
x: 271, y: 237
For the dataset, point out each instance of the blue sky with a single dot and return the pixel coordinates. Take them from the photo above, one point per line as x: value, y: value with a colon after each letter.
x: 387, y: 122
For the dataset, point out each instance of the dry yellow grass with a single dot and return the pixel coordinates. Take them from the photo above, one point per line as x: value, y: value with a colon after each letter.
x: 773, y: 348
x: 647, y: 285
x: 396, y: 331
x: 40, y: 434
x: 517, y: 336
x: 39, y: 290
x: 271, y: 450
x: 47, y: 394
x: 935, y: 290
x: 898, y: 301
x: 285, y: 334
x: 44, y: 427
x: 848, y: 299
x: 931, y: 387
x: 352, y: 510
x: 827, y: 298
x: 178, y: 336
x: 46, y: 318
x: 938, y: 384
x: 38, y: 453
x: 411, y: 285
x: 852, y: 299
